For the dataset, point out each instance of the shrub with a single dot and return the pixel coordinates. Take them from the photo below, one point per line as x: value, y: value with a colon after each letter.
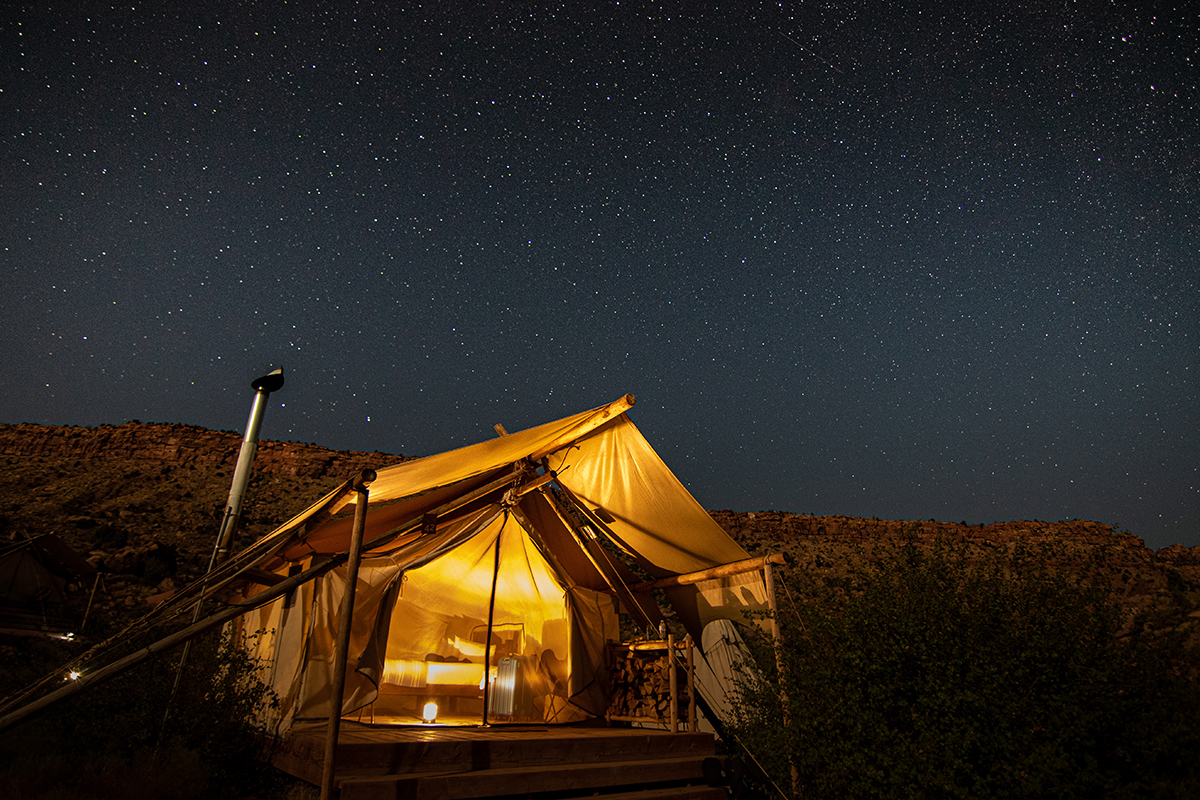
x: 943, y: 674
x: 129, y: 738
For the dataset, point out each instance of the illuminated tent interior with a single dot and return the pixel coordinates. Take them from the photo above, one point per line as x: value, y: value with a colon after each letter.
x: 512, y: 558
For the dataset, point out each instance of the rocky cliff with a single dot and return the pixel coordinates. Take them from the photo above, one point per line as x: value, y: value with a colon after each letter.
x: 180, y: 445
x: 143, y: 502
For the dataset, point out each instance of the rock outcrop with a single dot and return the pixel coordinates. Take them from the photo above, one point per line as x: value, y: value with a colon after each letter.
x: 181, y: 445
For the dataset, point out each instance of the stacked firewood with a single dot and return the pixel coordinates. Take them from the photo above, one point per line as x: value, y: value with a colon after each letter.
x: 641, y: 685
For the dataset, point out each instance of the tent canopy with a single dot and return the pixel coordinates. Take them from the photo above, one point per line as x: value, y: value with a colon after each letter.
x: 514, y: 555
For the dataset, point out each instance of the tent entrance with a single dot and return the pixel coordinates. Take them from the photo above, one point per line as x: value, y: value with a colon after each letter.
x: 491, y: 606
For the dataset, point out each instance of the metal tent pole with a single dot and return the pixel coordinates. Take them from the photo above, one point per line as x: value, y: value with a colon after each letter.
x: 342, y: 651
x: 487, y: 642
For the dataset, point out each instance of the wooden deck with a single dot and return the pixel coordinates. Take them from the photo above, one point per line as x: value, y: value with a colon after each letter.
x: 436, y: 762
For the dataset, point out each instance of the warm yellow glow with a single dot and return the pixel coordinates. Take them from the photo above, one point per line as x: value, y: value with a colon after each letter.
x: 457, y: 674
x: 429, y: 713
x: 418, y: 674
x: 471, y: 649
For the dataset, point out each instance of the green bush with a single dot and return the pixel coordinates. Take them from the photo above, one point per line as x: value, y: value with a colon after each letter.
x: 132, y: 737
x: 945, y: 673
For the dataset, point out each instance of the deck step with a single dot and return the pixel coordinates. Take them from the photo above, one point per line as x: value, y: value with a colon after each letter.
x: 561, y: 780
x: 674, y: 793
x: 379, y: 752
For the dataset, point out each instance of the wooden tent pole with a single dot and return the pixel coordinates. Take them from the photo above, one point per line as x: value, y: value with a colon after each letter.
x: 673, y: 682
x: 772, y: 606
x: 691, y: 682
x: 342, y: 652
x: 769, y: 579
x: 613, y: 410
x: 720, y: 571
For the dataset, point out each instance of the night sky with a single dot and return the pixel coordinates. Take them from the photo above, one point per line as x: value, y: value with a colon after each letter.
x: 910, y: 261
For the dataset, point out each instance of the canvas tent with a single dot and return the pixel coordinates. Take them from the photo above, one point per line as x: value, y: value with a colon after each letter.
x: 499, y: 554
x: 34, y: 575
x: 502, y: 565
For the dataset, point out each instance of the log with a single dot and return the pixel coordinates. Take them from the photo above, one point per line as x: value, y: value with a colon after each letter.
x: 721, y: 571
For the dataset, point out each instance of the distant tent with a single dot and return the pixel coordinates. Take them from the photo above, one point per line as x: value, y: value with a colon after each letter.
x: 34, y: 575
x: 507, y: 545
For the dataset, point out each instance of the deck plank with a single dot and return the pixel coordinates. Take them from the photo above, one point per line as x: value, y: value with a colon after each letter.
x: 522, y: 781
x: 388, y: 762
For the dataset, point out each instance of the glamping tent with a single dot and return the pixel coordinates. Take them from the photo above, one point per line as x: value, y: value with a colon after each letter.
x: 497, y: 570
x: 34, y: 575
x: 488, y: 580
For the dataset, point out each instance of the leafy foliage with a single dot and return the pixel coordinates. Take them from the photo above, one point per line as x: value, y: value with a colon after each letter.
x: 137, y: 737
x: 945, y: 674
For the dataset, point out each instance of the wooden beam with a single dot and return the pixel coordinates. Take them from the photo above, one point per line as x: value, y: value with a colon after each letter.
x: 534, y: 484
x: 611, y: 411
x: 780, y: 665
x: 428, y: 521
x: 673, y: 682
x: 721, y: 571
x: 263, y: 577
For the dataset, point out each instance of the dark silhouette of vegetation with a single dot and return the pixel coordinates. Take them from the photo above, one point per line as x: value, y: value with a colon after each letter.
x: 946, y: 673
x: 116, y: 740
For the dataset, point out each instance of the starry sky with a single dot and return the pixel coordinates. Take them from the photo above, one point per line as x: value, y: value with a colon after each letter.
x: 905, y: 260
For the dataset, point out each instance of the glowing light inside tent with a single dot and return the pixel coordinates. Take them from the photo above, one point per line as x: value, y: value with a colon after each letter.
x: 419, y: 674
x: 429, y: 713
x: 454, y: 674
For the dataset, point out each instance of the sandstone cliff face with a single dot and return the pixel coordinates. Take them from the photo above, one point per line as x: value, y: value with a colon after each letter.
x: 143, y: 502
x: 181, y: 445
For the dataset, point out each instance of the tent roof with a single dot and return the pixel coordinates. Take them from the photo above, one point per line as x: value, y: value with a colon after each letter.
x: 444, y: 469
x: 598, y: 456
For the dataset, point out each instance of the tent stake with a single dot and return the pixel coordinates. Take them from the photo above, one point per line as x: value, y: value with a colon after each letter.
x: 342, y: 653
